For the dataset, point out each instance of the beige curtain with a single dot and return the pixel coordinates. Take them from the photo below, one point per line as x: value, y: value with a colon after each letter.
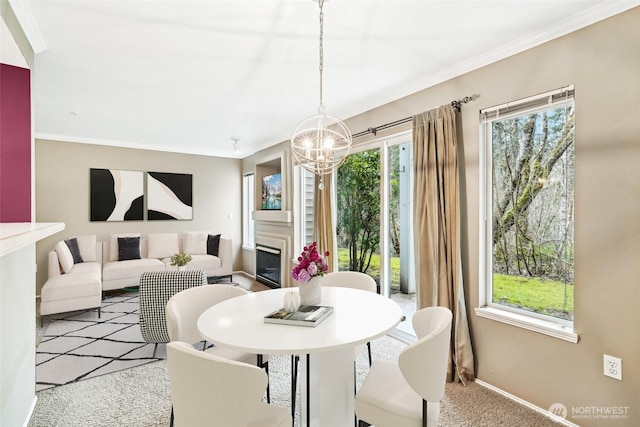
x: 324, y: 230
x: 436, y: 221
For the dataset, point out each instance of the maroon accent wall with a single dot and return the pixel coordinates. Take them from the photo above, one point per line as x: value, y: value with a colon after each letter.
x: 15, y: 144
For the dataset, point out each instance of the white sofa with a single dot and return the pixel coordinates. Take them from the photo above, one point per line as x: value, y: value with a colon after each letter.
x: 155, y: 255
x: 77, y: 286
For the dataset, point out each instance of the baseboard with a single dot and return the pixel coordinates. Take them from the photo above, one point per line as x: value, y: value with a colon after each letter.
x: 250, y: 276
x: 529, y: 405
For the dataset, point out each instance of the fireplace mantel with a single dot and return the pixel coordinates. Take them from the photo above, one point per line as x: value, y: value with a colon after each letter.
x: 273, y: 216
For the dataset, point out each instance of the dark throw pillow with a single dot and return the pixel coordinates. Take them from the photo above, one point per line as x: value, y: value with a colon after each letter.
x: 213, y: 244
x: 128, y: 248
x: 75, y: 250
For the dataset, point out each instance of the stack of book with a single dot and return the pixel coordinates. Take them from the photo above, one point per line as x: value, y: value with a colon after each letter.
x: 307, y: 315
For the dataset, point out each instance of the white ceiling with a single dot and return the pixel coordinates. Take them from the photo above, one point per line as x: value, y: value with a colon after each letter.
x: 189, y: 76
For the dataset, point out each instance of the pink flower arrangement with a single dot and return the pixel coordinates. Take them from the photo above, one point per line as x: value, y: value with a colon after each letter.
x: 311, y: 264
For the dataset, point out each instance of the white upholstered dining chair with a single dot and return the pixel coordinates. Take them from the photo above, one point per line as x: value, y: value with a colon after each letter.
x: 353, y: 280
x: 408, y: 394
x: 211, y: 390
x: 183, y: 310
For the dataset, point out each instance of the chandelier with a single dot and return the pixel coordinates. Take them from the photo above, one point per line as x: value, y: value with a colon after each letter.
x: 321, y: 143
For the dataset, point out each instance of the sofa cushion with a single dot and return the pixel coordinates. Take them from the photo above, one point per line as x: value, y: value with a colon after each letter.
x: 204, y: 262
x: 162, y: 245
x: 87, y: 245
x: 75, y: 250
x: 213, y: 244
x: 128, y: 248
x: 198, y: 262
x: 195, y: 242
x: 85, y: 281
x: 132, y: 268
x: 64, y: 256
x: 113, y: 244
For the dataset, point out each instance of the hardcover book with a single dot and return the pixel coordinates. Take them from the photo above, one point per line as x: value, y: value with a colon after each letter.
x: 307, y: 315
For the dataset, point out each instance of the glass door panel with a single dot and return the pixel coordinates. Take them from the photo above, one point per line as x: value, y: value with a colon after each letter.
x: 399, y: 225
x: 373, y: 212
x: 358, y: 214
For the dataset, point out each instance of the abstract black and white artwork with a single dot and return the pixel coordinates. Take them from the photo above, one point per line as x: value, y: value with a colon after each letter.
x: 169, y: 196
x: 116, y: 195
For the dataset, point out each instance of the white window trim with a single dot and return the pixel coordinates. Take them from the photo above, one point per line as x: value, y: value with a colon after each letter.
x: 545, y: 327
x: 247, y: 196
x: 556, y: 328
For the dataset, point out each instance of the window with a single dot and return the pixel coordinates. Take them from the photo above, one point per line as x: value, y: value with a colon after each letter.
x: 528, y: 210
x: 248, y: 206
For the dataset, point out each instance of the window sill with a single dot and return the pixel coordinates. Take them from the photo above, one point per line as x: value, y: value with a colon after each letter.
x: 248, y: 248
x: 536, y: 325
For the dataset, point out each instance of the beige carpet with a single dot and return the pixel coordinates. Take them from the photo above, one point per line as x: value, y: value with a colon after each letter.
x: 140, y: 397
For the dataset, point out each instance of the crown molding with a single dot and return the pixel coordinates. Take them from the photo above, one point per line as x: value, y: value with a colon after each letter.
x: 23, y: 14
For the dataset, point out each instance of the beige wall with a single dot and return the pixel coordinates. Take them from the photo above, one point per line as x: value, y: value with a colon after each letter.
x: 62, y: 193
x: 603, y: 61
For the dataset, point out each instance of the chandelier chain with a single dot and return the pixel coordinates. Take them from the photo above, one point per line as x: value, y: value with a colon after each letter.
x: 320, y: 144
x: 321, y: 3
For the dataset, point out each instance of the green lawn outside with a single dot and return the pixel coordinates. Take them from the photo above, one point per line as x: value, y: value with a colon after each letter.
x: 374, y: 268
x: 538, y: 295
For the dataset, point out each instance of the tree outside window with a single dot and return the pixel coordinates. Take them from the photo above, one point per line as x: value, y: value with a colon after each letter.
x: 532, y: 211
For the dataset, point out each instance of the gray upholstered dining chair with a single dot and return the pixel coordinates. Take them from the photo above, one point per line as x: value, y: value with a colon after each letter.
x: 408, y: 393
x: 211, y: 390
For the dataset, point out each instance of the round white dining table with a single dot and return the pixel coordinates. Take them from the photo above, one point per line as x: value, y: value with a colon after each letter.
x: 358, y: 317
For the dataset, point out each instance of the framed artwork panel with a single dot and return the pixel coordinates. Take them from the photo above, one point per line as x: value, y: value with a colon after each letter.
x: 116, y: 195
x: 169, y: 196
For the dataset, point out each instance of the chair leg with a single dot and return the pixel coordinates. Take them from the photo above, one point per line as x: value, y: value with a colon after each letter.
x: 424, y: 413
x: 99, y: 313
x: 171, y: 419
x: 308, y: 389
x: 266, y: 369
x: 369, y: 351
x: 155, y: 347
x: 294, y: 383
x: 265, y: 366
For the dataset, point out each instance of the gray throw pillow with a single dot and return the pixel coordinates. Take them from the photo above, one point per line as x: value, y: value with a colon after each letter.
x: 213, y: 244
x: 128, y: 248
x: 75, y: 250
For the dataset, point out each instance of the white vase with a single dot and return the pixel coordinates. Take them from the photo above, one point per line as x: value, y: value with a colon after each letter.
x: 291, y: 301
x: 310, y: 292
x: 181, y: 268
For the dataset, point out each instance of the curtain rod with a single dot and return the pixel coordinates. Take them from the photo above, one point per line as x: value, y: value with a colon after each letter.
x: 456, y: 104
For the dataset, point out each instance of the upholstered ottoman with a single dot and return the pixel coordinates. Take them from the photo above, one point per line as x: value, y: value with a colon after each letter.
x: 156, y: 287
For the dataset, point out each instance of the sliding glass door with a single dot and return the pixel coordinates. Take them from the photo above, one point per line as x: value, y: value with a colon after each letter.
x: 373, y: 213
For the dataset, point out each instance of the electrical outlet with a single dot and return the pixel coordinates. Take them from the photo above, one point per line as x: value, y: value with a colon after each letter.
x: 613, y: 367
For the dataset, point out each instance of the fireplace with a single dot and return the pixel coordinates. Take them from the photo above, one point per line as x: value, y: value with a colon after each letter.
x: 268, y: 266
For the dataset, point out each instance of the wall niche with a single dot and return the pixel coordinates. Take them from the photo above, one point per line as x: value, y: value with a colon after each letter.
x: 273, y: 196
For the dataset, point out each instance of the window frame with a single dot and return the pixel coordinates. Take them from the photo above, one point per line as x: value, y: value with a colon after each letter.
x: 555, y: 327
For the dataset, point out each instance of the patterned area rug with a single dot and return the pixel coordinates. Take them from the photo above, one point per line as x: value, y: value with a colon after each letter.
x: 78, y: 345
